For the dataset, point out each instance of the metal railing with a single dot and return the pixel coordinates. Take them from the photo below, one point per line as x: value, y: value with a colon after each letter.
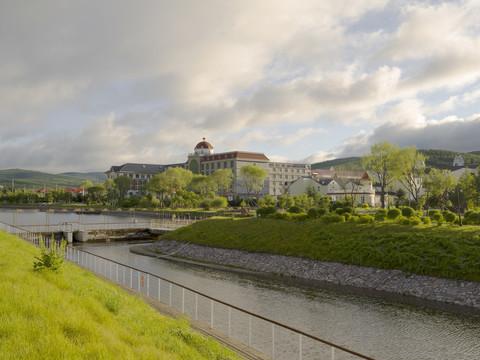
x: 265, y: 335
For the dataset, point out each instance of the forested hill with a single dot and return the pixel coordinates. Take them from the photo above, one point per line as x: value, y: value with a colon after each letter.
x: 443, y: 159
x: 347, y: 164
x: 32, y: 180
x: 440, y: 159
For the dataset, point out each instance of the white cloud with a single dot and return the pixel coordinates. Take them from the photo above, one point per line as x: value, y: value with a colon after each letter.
x: 256, y: 76
x: 448, y: 134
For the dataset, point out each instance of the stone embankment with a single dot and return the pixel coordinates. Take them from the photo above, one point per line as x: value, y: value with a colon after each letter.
x: 463, y: 293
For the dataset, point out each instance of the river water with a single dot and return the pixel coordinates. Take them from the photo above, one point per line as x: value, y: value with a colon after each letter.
x: 383, y: 329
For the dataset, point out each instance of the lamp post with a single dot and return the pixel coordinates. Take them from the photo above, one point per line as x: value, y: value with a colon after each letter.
x: 459, y: 209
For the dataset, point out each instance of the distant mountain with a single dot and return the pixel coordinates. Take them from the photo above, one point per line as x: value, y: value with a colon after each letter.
x: 440, y: 159
x: 443, y: 159
x: 31, y: 180
x: 350, y: 163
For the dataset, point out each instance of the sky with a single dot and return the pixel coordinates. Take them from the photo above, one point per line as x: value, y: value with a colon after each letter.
x: 85, y: 85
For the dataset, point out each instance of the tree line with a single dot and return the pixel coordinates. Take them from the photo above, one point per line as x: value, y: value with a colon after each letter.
x: 390, y: 165
x: 175, y: 187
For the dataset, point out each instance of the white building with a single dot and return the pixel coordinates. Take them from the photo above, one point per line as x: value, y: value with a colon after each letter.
x: 280, y: 175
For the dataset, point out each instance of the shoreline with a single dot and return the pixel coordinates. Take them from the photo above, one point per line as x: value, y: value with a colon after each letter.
x: 440, y: 293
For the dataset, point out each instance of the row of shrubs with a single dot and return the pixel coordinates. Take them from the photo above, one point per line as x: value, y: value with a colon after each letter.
x: 404, y: 215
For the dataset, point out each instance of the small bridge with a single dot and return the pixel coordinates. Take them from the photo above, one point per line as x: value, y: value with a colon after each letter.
x: 107, y: 231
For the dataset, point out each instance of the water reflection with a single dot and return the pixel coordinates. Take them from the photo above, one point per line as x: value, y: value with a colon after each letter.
x: 373, y: 326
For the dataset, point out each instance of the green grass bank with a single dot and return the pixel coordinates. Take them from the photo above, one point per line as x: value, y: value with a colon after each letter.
x: 71, y: 314
x: 443, y: 251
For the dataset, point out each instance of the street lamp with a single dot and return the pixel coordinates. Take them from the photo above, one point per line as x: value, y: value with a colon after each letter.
x: 459, y: 210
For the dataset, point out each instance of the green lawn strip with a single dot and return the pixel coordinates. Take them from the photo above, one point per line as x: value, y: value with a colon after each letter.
x: 71, y: 314
x: 445, y: 251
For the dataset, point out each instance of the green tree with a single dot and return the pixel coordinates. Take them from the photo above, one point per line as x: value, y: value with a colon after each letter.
x: 439, y: 183
x: 111, y: 191
x: 123, y: 184
x: 312, y: 193
x: 159, y: 184
x: 284, y: 201
x: 468, y: 192
x: 409, y: 168
x: 178, y: 178
x: 96, y: 193
x: 85, y: 184
x: 202, y: 184
x: 222, y: 178
x: 253, y: 178
x: 381, y: 163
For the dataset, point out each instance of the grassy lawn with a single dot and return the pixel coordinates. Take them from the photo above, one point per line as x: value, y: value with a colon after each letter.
x: 445, y: 251
x: 71, y: 314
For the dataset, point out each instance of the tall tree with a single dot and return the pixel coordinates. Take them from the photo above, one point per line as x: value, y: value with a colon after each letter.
x: 253, y: 178
x: 178, y: 178
x: 111, y: 191
x: 202, y: 184
x: 123, y: 184
x: 96, y: 192
x: 222, y: 178
x: 409, y: 168
x: 159, y: 184
x: 380, y: 162
x: 439, y: 184
x: 468, y: 189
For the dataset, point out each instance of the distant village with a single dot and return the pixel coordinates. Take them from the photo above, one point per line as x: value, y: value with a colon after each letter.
x: 283, y: 177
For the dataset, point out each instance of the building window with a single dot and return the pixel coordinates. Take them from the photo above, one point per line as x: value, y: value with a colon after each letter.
x: 224, y: 164
x: 231, y: 164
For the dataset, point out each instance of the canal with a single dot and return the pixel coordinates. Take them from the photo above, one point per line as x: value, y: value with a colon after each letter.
x: 380, y: 328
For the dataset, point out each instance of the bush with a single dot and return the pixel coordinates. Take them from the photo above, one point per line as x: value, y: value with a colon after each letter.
x: 348, y: 210
x: 381, y: 214
x: 403, y: 220
x: 347, y: 216
x: 353, y: 219
x: 364, y: 206
x: 394, y: 213
x: 205, y: 204
x: 294, y: 209
x: 53, y: 259
x: 281, y: 216
x: 267, y: 210
x: 219, y: 202
x: 299, y: 217
x: 129, y: 202
x: 467, y: 214
x: 426, y: 220
x: 366, y: 219
x: 332, y: 218
x: 322, y: 211
x: 145, y: 203
x: 313, y: 213
x: 408, y: 212
x: 438, y: 217
x: 431, y: 213
x: 415, y: 220
x: 474, y: 218
x: 449, y: 217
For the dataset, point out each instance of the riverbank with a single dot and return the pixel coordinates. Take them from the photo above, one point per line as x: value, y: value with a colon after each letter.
x: 71, y: 314
x: 378, y: 282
